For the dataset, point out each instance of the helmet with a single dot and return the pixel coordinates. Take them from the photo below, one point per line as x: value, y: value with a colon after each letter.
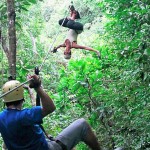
x: 15, y: 95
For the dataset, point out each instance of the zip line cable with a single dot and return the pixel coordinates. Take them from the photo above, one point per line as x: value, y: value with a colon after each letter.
x: 54, y: 40
x: 2, y: 64
x: 39, y: 67
x: 41, y: 64
x: 51, y: 45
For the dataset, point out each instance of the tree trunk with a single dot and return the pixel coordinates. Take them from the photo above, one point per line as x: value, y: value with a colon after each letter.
x: 12, y: 38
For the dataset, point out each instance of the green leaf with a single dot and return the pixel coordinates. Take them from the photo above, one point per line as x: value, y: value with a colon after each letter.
x: 33, y: 1
x: 18, y: 24
x: 21, y: 7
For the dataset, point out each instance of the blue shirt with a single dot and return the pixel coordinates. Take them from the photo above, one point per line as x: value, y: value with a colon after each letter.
x: 20, y: 129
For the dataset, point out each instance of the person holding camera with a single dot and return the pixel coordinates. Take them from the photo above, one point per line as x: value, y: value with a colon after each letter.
x: 20, y: 127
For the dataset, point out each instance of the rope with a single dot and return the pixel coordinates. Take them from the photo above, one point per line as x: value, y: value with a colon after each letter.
x: 39, y: 67
x: 2, y: 60
x: 2, y: 66
x: 53, y: 41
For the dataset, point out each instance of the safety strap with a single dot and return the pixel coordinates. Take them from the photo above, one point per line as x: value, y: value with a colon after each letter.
x: 38, y: 104
x: 36, y: 71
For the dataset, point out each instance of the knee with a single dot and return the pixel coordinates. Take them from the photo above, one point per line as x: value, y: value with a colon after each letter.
x: 63, y: 22
x: 82, y: 122
x: 83, y: 127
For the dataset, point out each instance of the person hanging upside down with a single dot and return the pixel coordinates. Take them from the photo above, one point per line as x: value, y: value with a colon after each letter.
x: 75, y: 28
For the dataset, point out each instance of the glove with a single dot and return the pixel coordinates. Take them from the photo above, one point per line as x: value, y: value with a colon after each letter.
x: 54, y: 50
x: 35, y: 83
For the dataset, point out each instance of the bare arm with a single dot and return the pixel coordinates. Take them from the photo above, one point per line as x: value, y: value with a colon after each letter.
x: 61, y: 45
x: 76, y: 46
x: 55, y: 48
x: 47, y: 103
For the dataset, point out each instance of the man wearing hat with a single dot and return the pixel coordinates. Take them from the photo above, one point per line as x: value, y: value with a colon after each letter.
x: 20, y: 127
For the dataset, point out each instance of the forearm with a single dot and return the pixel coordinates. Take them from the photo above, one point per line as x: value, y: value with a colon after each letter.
x: 90, y: 49
x: 47, y: 103
x: 61, y: 45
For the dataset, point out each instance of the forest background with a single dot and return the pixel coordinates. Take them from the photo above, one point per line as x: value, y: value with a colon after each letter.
x: 113, y: 93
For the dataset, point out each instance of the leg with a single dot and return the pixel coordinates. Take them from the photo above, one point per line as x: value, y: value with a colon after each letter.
x: 63, y: 22
x: 91, y: 140
x: 78, y: 131
x: 76, y: 46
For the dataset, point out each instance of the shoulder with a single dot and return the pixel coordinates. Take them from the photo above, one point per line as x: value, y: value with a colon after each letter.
x: 31, y: 115
x: 33, y: 109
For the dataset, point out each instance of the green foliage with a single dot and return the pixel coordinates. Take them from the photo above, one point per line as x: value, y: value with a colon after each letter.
x: 112, y: 94
x: 118, y: 89
x: 128, y: 30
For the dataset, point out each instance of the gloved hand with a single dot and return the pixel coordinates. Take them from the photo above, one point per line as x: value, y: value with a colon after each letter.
x: 54, y: 50
x: 35, y: 83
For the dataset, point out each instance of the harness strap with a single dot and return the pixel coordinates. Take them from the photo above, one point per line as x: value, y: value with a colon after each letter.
x: 38, y: 102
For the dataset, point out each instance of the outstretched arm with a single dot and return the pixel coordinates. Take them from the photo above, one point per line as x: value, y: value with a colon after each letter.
x: 47, y: 103
x: 76, y: 46
x: 55, y: 48
x: 61, y: 45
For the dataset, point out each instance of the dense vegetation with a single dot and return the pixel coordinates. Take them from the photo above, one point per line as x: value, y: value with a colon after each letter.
x: 112, y: 94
